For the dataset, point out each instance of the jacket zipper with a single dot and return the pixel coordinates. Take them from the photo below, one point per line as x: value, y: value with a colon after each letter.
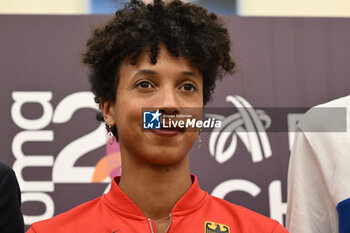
x: 150, y: 223
x: 151, y: 226
x: 169, y: 224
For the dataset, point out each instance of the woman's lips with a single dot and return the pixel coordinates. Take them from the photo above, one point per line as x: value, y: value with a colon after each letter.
x: 166, y: 132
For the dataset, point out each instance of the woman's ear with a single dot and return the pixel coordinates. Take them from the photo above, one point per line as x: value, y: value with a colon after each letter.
x: 107, y: 112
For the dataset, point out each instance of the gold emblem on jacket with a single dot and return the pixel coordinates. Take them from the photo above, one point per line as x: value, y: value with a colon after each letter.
x: 213, y: 227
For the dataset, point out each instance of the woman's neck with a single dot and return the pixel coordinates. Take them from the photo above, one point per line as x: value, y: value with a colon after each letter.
x: 155, y: 189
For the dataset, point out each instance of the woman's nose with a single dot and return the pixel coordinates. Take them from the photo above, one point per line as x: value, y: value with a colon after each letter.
x: 169, y: 102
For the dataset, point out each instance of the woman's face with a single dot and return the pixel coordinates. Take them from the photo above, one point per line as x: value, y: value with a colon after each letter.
x: 170, y: 84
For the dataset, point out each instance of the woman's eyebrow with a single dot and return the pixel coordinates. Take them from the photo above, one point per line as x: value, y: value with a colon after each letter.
x: 151, y: 72
x: 140, y: 72
x: 190, y: 74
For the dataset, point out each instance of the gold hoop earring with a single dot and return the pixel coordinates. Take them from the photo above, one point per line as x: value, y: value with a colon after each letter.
x: 110, y: 136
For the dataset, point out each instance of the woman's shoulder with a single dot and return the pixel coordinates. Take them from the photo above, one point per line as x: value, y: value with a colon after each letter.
x: 246, y: 217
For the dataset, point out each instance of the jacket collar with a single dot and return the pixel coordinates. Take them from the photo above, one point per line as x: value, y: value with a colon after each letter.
x: 119, y: 202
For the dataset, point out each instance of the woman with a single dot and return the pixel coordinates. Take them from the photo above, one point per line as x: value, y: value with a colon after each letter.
x: 163, y: 56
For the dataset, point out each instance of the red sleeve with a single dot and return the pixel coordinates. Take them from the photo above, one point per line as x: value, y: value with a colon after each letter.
x: 279, y: 229
x: 31, y: 230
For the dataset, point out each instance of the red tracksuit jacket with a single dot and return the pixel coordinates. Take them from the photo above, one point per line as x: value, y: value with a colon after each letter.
x: 195, y: 212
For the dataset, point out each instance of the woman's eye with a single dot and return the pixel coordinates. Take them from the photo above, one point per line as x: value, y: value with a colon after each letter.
x: 144, y: 84
x: 188, y: 87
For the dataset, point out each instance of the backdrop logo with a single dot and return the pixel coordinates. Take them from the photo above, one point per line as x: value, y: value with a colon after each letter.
x: 63, y: 163
x: 248, y: 124
x: 151, y: 120
x: 108, y: 166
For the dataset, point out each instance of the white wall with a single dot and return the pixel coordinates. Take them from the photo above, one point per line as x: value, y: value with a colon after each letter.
x: 331, y: 8
x: 328, y: 8
x: 44, y: 6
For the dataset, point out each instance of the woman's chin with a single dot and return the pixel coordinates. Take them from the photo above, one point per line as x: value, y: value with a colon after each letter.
x: 169, y: 158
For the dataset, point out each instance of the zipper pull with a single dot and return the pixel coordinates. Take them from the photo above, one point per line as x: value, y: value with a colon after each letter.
x: 151, y: 225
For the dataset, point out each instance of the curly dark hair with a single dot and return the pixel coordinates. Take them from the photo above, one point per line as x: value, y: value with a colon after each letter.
x: 187, y: 30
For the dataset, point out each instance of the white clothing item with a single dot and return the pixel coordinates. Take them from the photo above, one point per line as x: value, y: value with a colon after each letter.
x: 319, y: 174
